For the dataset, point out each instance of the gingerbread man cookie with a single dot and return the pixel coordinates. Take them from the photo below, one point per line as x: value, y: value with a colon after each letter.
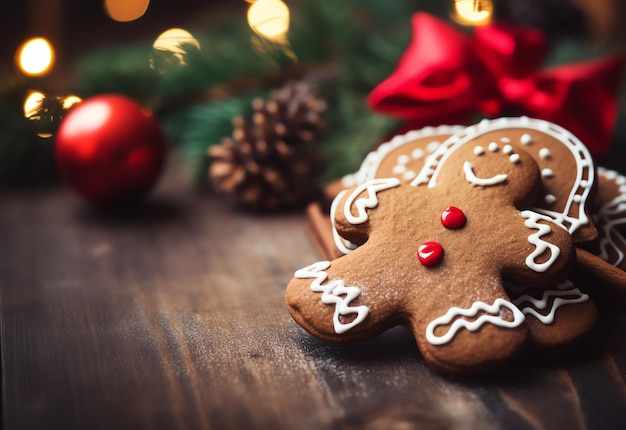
x: 558, y: 316
x: 426, y: 256
x: 430, y: 255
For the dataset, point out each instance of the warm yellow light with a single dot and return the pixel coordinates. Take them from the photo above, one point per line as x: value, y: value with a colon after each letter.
x: 473, y: 12
x: 169, y: 46
x: 70, y: 101
x: 269, y: 18
x: 32, y: 103
x: 126, y: 10
x: 35, y: 57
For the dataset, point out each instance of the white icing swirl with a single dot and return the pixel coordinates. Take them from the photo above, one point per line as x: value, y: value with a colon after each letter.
x: 610, y: 216
x: 541, y: 246
x: 345, y: 246
x: 371, y: 201
x: 373, y: 186
x: 491, y: 316
x: 566, y: 294
x: 335, y: 293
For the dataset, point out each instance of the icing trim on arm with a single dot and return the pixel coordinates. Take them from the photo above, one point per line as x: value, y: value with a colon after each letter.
x: 372, y: 186
x: 371, y: 201
x: 335, y: 293
x: 343, y: 245
x: 483, y: 182
x: 541, y: 246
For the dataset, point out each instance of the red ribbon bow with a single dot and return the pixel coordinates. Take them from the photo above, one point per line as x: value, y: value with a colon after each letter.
x: 446, y: 76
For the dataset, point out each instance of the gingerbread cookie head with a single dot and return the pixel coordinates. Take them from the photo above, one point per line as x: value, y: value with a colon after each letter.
x: 567, y: 168
x: 432, y: 256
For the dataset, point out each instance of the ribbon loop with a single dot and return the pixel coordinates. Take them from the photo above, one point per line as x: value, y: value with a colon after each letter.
x: 446, y: 74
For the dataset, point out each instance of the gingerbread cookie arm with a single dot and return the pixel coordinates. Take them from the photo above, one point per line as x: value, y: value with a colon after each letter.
x: 350, y: 212
x: 332, y: 303
x: 548, y: 255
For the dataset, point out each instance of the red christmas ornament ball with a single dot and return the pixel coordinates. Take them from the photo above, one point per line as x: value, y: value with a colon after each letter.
x: 109, y: 149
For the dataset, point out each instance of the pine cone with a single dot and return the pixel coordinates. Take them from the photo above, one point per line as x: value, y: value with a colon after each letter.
x: 269, y: 163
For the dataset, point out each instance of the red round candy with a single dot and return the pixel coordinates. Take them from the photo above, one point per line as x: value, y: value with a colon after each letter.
x: 109, y: 149
x: 453, y: 217
x: 430, y: 253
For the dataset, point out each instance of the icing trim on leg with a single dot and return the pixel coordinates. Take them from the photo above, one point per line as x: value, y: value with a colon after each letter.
x: 455, y: 312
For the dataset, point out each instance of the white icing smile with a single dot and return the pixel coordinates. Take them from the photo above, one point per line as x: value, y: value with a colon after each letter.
x: 483, y: 182
x: 335, y: 293
x: 490, y: 316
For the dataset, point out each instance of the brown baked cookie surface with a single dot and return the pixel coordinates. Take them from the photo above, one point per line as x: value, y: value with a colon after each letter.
x: 432, y: 254
x: 602, y: 263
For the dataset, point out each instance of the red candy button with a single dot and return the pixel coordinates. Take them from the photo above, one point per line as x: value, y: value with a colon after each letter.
x: 430, y: 253
x: 453, y: 217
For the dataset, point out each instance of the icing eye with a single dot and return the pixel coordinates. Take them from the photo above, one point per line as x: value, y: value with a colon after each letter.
x: 453, y: 217
x: 430, y: 253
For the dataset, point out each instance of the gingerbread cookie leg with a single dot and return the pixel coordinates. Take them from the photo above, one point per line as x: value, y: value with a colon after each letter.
x: 556, y: 318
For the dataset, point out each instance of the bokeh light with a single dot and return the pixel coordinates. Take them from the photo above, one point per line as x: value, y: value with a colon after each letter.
x: 70, y: 101
x: 32, y: 102
x: 473, y: 12
x: 126, y: 10
x: 269, y: 18
x: 35, y: 57
x: 168, y: 48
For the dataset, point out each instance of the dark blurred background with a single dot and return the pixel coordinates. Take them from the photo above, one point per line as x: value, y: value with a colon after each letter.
x: 77, y: 26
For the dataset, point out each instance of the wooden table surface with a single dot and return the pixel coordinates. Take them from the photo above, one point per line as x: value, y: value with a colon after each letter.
x: 173, y: 317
